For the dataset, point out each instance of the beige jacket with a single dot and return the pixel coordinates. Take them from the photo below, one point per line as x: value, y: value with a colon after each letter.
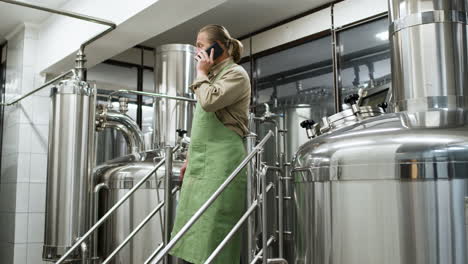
x: 228, y: 97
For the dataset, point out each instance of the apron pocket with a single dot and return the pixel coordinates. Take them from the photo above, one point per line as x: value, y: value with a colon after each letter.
x: 197, y: 157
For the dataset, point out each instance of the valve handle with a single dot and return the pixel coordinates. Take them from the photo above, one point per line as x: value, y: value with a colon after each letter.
x: 351, y: 99
x: 307, y: 124
x: 181, y: 132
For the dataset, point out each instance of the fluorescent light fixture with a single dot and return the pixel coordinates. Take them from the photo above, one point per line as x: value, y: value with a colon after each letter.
x: 382, y: 35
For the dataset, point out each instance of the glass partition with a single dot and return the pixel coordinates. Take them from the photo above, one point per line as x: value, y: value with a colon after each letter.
x: 364, y: 58
x: 297, y: 82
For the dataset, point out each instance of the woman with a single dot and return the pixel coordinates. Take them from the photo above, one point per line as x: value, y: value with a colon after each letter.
x: 223, y: 92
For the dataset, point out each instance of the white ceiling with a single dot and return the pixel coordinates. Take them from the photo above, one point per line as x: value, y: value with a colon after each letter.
x: 11, y: 15
x: 240, y: 17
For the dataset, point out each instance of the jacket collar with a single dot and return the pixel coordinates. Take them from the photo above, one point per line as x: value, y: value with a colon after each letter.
x: 219, y: 67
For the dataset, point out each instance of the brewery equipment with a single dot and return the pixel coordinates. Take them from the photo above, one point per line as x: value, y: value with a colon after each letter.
x: 390, y: 188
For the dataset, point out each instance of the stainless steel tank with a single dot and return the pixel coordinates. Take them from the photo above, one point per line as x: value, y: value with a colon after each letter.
x: 118, y: 177
x: 70, y: 160
x: 174, y: 72
x: 391, y: 188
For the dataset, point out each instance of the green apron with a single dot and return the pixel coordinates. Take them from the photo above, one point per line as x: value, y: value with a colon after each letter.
x: 214, y: 152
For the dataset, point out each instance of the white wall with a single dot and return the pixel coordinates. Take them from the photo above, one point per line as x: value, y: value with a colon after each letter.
x: 345, y: 13
x: 350, y: 11
x: 24, y: 154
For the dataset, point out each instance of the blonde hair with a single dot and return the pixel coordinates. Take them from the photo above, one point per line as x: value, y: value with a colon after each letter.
x: 220, y: 33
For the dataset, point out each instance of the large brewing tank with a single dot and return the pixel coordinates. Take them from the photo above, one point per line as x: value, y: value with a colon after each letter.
x: 174, y: 72
x: 69, y: 164
x: 392, y: 188
x: 116, y: 178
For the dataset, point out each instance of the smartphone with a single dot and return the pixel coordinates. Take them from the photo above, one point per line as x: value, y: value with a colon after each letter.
x: 218, y: 51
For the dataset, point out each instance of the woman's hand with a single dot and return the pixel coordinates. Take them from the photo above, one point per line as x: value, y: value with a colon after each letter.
x: 205, y: 62
x: 182, y: 171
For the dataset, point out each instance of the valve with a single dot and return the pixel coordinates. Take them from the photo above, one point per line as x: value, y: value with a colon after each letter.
x: 384, y: 106
x: 123, y: 105
x: 181, y: 132
x: 310, y: 127
x: 351, y: 99
x: 307, y: 124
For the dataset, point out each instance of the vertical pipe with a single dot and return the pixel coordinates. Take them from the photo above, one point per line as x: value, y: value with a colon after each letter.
x: 335, y: 54
x: 282, y: 175
x: 250, y: 141
x: 84, y: 253
x: 140, y: 76
x: 95, y: 214
x: 264, y: 216
x: 281, y: 206
x: 168, y: 202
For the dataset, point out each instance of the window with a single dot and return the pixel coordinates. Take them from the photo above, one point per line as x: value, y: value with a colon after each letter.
x: 364, y: 57
x: 298, y: 83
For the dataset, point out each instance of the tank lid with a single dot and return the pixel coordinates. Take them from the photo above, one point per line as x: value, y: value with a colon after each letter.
x: 176, y: 47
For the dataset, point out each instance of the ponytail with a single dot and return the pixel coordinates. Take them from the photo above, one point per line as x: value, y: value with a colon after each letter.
x: 220, y: 33
x: 236, y: 50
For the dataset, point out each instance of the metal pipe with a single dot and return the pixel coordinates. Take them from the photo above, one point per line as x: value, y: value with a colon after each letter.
x: 129, y: 128
x: 84, y: 253
x: 259, y: 254
x: 156, y: 251
x: 213, y: 197
x: 139, y: 227
x: 98, y: 36
x: 277, y: 260
x: 167, y: 197
x: 236, y: 228
x: 40, y: 87
x: 61, y: 12
x: 97, y: 189
x: 115, y: 207
x: 158, y: 184
x: 251, y: 194
x: 264, y: 214
x: 281, y: 207
x: 180, y: 98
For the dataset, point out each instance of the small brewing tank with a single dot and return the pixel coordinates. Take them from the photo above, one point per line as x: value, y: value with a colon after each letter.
x: 115, y: 179
x: 69, y: 164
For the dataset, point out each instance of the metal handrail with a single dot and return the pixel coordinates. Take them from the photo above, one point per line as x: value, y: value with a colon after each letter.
x: 156, y: 251
x: 113, y: 209
x: 180, y: 98
x: 40, y: 87
x: 260, y: 253
x: 236, y: 228
x: 138, y: 228
x: 212, y: 198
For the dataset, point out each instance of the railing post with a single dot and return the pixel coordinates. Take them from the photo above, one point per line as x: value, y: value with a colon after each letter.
x: 251, y: 196
x: 168, y: 214
x: 263, y: 176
